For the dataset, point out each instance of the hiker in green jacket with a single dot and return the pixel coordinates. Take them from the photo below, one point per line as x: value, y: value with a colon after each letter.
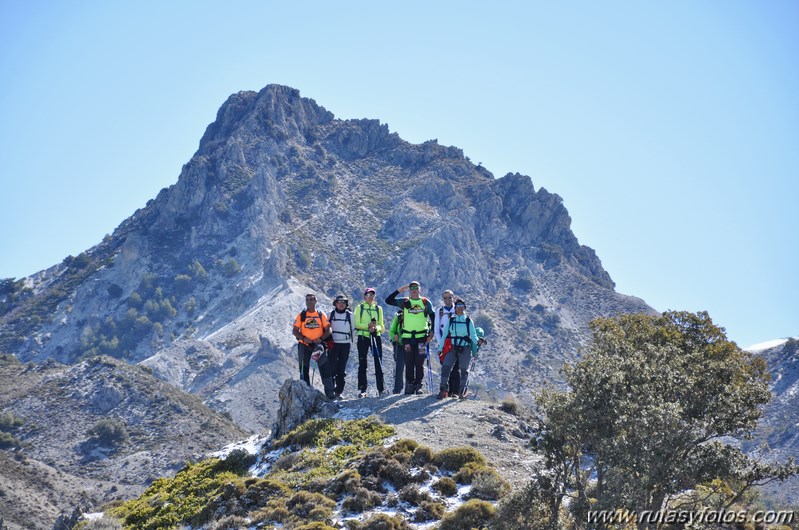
x: 370, y: 325
x: 417, y: 330
x: 464, y: 343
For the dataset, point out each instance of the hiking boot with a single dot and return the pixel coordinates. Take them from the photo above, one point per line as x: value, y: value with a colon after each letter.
x: 338, y: 397
x: 419, y: 392
x: 465, y: 391
x: 442, y: 394
x: 382, y: 393
x: 362, y: 394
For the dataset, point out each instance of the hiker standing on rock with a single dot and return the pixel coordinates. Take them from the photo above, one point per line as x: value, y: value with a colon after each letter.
x: 464, y: 343
x: 311, y: 328
x: 399, y: 352
x: 417, y: 329
x: 369, y: 323
x: 341, y: 326
x: 440, y: 329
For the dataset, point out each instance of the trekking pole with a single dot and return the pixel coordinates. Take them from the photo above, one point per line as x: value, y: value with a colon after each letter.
x: 302, y: 361
x: 469, y: 380
x: 429, y: 368
x: 471, y: 368
x: 378, y: 361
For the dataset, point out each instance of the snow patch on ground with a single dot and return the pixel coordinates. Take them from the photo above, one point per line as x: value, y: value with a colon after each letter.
x: 252, y: 445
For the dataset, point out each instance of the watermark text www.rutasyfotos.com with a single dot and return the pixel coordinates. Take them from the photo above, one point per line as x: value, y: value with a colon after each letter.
x: 689, y: 517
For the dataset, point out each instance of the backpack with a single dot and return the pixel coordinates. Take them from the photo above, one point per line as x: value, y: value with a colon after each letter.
x: 467, y: 339
x: 347, y: 318
x: 407, y: 305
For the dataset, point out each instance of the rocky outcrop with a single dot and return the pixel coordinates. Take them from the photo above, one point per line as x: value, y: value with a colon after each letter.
x: 299, y: 403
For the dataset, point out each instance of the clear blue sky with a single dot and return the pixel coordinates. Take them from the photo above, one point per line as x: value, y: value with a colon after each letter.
x: 670, y: 129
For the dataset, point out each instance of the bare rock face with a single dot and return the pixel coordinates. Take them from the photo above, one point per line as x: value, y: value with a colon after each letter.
x: 299, y: 403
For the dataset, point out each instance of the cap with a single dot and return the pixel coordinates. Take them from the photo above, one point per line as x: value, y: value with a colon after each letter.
x: 369, y: 290
x: 414, y: 283
x: 459, y: 301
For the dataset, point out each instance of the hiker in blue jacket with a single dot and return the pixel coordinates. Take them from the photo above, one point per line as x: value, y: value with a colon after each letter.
x: 440, y: 328
x: 464, y: 344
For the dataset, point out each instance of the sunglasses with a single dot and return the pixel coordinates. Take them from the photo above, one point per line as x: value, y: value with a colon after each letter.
x: 447, y: 298
x: 341, y: 301
x: 460, y: 305
x: 414, y: 288
x: 369, y: 294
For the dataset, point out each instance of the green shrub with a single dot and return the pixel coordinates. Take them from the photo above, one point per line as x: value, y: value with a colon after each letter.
x: 453, y: 459
x: 362, y: 500
x: 260, y: 491
x: 421, y: 456
x: 472, y: 514
x: 488, y: 485
x: 446, y: 486
x: 229, y: 268
x: 430, y: 511
x: 8, y: 422
x: 382, y: 521
x: 510, y: 406
x: 468, y: 472
x: 413, y: 495
x: 316, y: 525
x: 403, y: 446
x: 106, y: 522
x: 183, y: 498
x: 8, y: 440
x: 109, y: 432
x: 327, y: 432
x: 230, y: 522
x: 307, y: 506
x: 348, y: 481
x: 377, y: 464
x: 525, y: 509
x: 274, y: 511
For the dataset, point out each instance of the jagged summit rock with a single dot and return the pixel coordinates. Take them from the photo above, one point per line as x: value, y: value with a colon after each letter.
x: 282, y: 198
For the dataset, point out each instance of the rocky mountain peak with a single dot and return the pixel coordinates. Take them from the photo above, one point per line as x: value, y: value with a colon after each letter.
x: 282, y: 198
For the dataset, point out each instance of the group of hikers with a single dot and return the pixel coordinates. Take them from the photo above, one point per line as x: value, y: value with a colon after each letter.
x: 326, y: 338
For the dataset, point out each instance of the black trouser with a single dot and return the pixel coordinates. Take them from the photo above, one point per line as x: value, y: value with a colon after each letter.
x: 338, y: 358
x: 304, y: 357
x: 455, y: 377
x: 414, y: 363
x: 399, y: 367
x: 364, y: 350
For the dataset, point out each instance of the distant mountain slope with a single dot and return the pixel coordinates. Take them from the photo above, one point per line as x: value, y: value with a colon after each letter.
x: 777, y: 429
x: 282, y: 198
x: 60, y: 465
